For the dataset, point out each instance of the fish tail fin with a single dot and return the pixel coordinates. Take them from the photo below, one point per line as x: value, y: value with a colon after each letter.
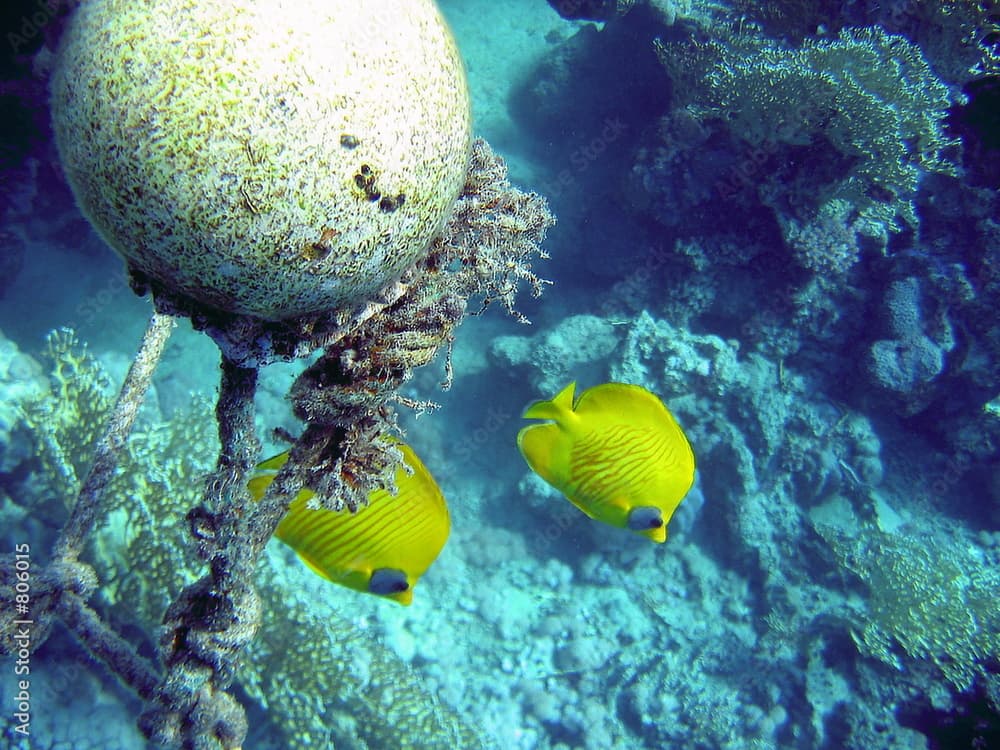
x: 265, y: 474
x: 555, y: 409
x: 274, y: 462
x: 258, y: 485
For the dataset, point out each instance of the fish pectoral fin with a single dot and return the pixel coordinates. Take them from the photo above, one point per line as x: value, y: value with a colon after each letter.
x: 581, y: 506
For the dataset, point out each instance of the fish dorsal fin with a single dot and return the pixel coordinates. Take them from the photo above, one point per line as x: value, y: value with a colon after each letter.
x: 556, y: 409
x: 265, y: 474
x: 621, y: 402
x: 545, y: 446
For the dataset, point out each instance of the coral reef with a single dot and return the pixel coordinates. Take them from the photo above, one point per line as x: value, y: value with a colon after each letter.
x: 569, y: 351
x: 904, y: 364
x: 141, y: 556
x: 76, y: 404
x: 708, y: 381
x: 833, y: 148
x: 825, y: 245
x: 933, y: 598
x: 868, y: 99
x: 20, y: 382
x: 798, y: 490
x: 955, y: 34
x: 822, y: 324
x: 355, y: 692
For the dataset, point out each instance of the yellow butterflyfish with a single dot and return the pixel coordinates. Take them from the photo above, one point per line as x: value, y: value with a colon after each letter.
x: 616, y: 453
x: 381, y: 549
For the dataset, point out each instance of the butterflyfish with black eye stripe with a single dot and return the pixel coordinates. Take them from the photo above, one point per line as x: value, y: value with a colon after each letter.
x: 616, y: 453
x: 384, y: 547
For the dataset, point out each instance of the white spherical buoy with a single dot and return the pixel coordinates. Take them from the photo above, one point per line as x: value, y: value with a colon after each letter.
x: 263, y: 157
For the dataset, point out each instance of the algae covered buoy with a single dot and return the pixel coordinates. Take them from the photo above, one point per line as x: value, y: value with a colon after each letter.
x: 263, y: 157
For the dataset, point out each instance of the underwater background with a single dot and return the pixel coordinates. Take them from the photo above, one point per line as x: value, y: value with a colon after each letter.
x: 781, y: 217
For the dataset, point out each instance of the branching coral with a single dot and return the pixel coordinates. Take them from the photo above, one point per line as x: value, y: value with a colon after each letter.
x: 77, y: 403
x: 141, y: 556
x: 792, y: 19
x: 349, y: 687
x: 866, y: 104
x: 64, y: 586
x: 933, y: 597
x: 825, y: 244
x: 958, y: 36
x: 137, y: 551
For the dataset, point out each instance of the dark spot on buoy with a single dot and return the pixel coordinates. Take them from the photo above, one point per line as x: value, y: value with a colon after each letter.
x: 316, y: 251
x: 388, y: 204
x: 366, y: 179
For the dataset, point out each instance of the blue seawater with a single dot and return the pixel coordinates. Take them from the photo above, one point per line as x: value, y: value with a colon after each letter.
x: 781, y: 217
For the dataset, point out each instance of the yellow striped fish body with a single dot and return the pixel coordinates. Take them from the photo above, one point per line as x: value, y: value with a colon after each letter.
x: 616, y: 453
x: 382, y: 549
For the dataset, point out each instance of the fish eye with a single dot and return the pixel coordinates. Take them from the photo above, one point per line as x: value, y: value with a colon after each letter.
x: 386, y: 581
x: 645, y: 517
